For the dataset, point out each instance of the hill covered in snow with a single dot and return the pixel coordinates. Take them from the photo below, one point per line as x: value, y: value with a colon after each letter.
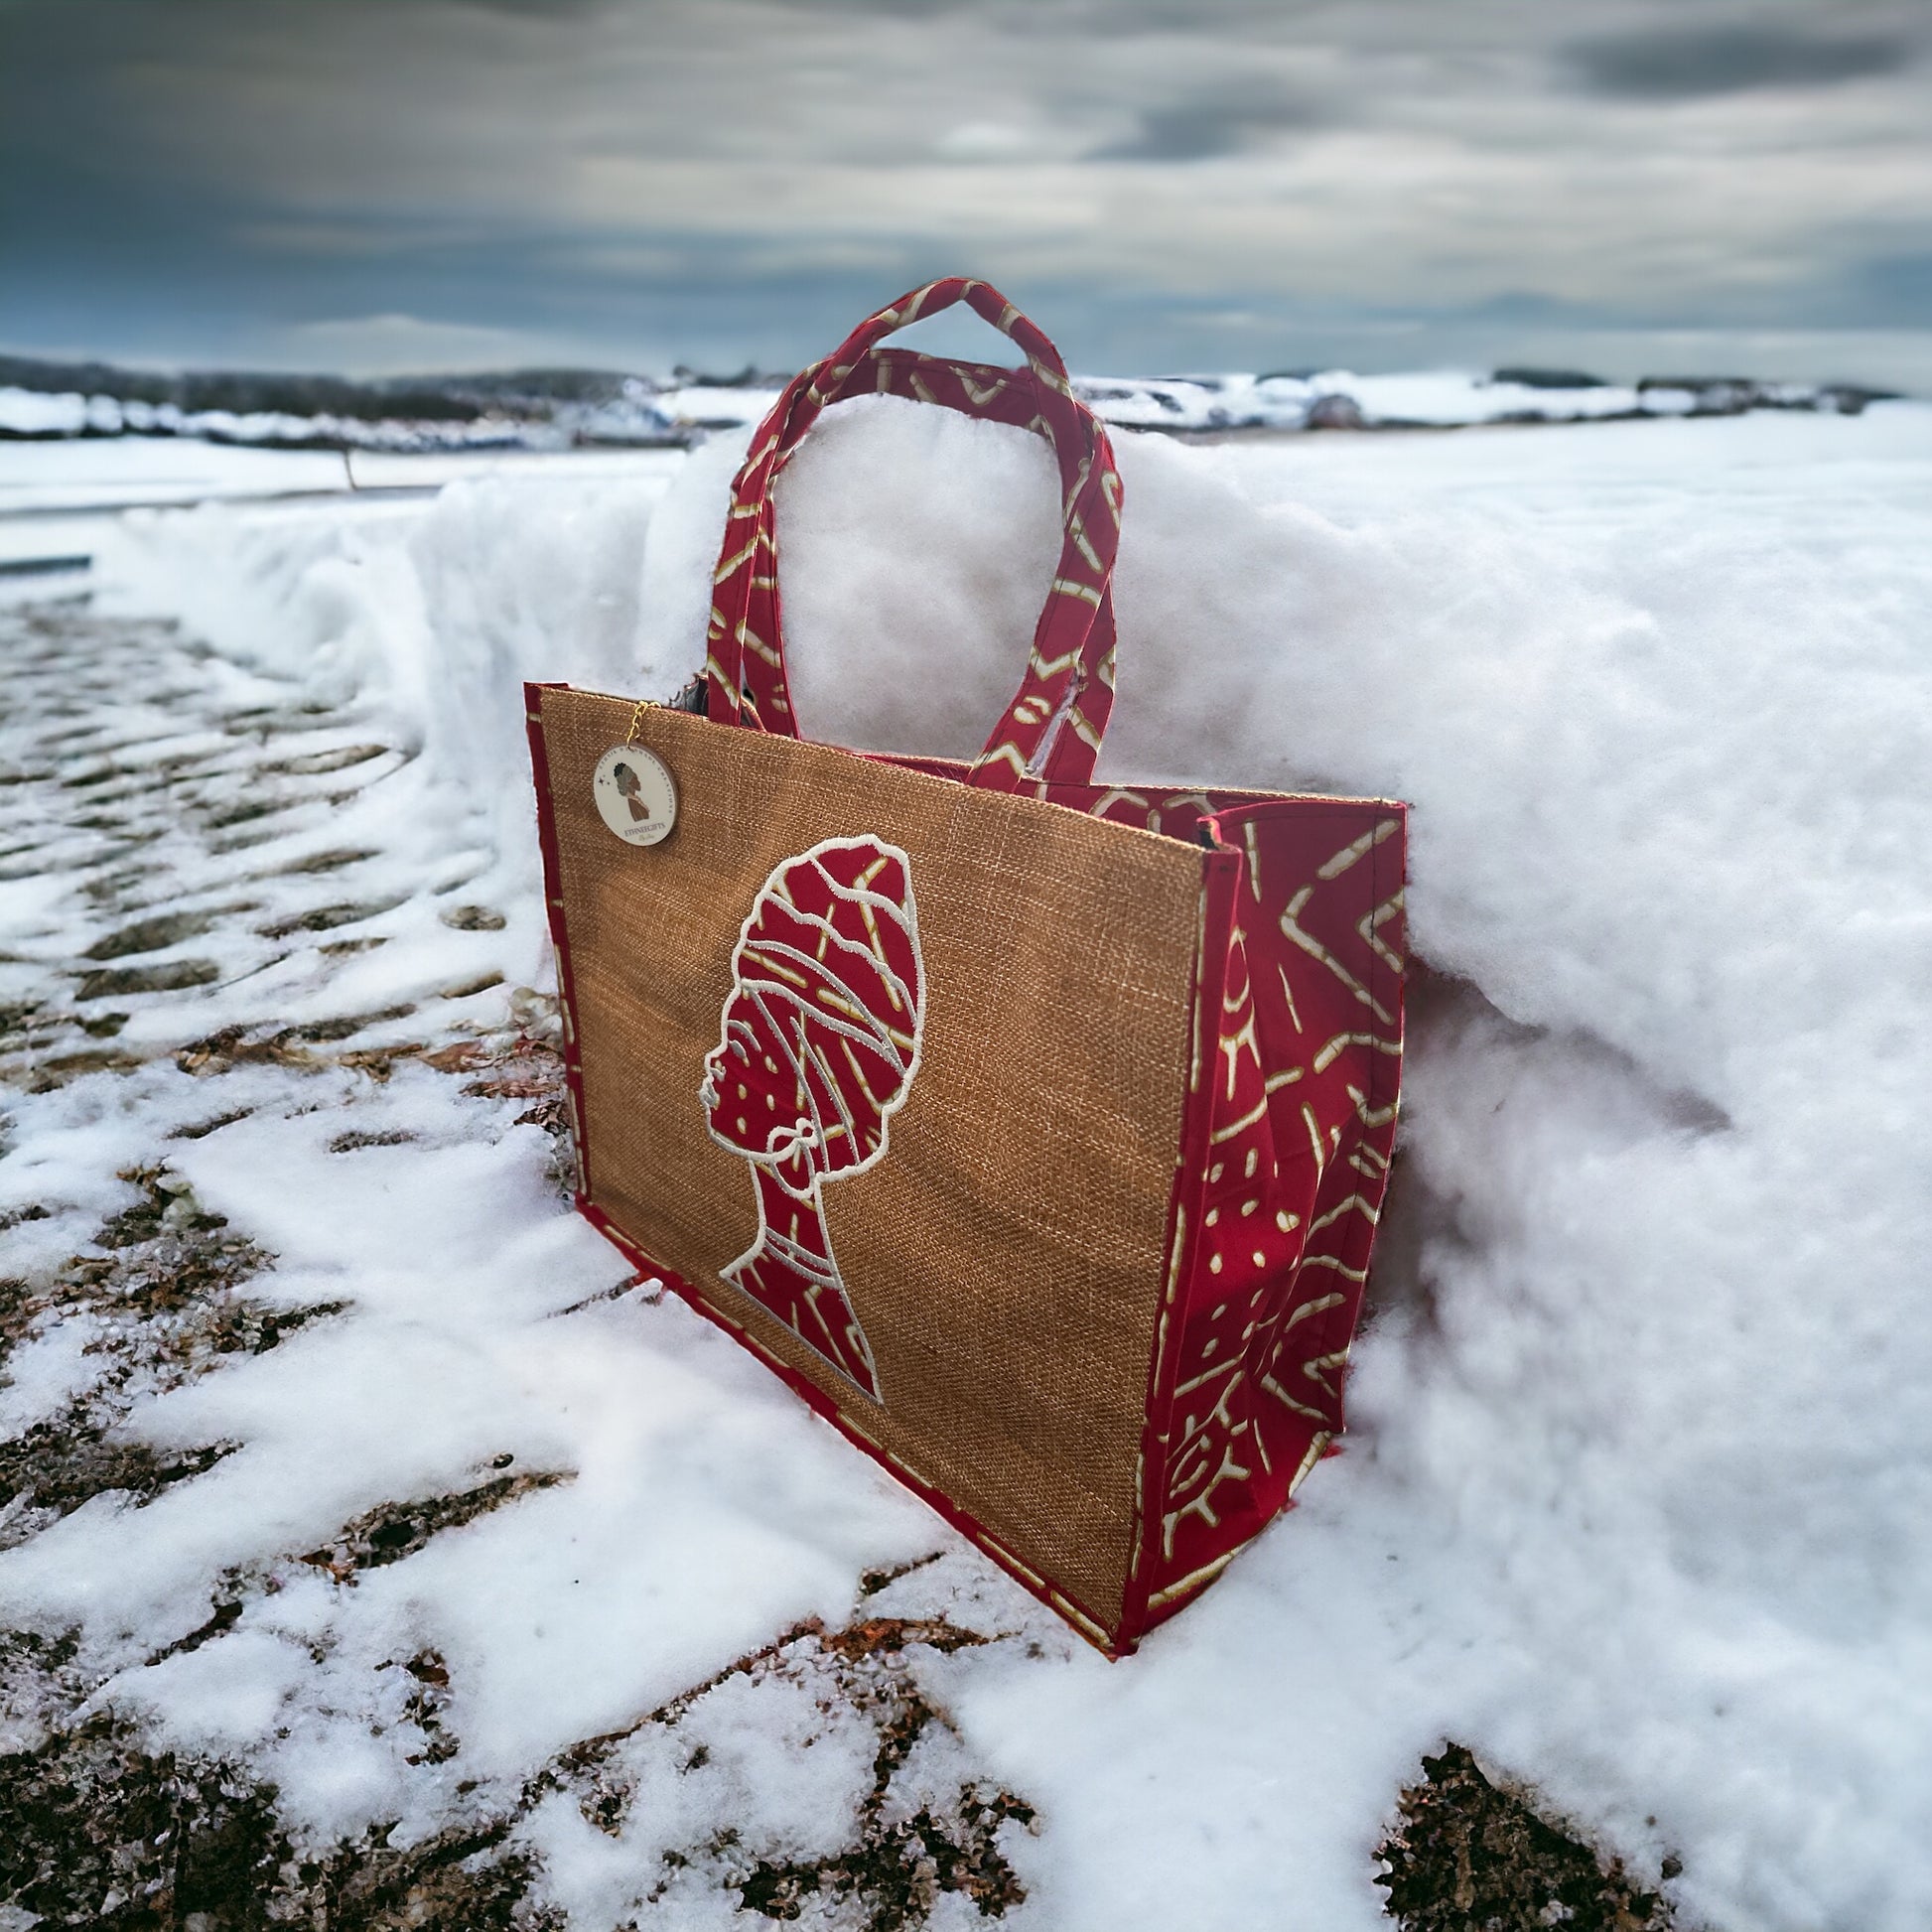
x: 552, y: 409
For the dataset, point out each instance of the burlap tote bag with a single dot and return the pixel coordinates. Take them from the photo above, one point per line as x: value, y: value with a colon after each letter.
x: 1034, y: 1130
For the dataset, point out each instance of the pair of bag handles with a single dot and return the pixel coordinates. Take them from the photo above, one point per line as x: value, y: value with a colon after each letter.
x: 1052, y: 728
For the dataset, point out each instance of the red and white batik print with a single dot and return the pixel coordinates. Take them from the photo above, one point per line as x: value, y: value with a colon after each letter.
x: 820, y: 1046
x: 1052, y: 728
x: 1300, y: 1131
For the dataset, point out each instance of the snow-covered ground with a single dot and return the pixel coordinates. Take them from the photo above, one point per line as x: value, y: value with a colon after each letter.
x: 1640, y: 1460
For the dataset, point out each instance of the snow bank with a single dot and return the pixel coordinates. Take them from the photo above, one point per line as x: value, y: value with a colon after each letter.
x: 427, y: 619
x: 112, y: 472
x: 1641, y: 1459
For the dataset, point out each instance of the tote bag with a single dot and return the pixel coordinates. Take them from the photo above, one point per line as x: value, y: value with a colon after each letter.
x: 1034, y: 1130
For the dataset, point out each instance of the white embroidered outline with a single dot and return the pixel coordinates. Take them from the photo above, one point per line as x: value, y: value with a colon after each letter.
x: 811, y: 1133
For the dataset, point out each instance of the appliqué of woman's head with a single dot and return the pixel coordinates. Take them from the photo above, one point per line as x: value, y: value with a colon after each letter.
x: 821, y: 1032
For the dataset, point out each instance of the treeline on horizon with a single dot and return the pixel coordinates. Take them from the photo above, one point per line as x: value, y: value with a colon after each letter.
x: 461, y: 398
x: 416, y: 398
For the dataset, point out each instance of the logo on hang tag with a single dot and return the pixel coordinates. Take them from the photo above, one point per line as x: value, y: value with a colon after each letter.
x: 636, y: 794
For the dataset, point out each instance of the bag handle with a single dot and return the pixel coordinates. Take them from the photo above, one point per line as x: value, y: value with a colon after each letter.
x: 1052, y: 728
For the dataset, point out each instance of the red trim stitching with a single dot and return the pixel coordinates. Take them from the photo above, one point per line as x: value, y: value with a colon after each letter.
x: 553, y: 901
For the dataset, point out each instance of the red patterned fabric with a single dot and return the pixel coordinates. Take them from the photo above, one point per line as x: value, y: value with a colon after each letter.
x: 1287, y: 1191
x: 1052, y: 728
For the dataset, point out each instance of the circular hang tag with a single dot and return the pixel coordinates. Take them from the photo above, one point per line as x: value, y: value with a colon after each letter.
x: 635, y: 797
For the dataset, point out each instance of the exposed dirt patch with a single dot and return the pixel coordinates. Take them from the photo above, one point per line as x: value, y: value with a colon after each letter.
x: 301, y: 1047
x: 58, y: 1068
x: 919, y: 1831
x: 396, y: 1530
x: 153, y: 935
x: 336, y: 759
x: 465, y: 989
x: 16, y: 1015
x: 58, y: 1465
x: 89, y: 780
x: 355, y: 1142
x: 1467, y: 1857
x: 248, y: 811
x: 326, y: 919
x: 97, y: 1831
x: 320, y: 862
x: 200, y: 1129
x: 473, y: 918
x: 164, y: 1298
x: 170, y: 976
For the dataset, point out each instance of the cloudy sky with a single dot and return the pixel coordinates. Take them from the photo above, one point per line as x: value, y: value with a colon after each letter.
x: 389, y: 185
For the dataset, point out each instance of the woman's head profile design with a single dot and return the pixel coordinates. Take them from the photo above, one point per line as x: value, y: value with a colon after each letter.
x: 819, y: 1048
x: 630, y: 790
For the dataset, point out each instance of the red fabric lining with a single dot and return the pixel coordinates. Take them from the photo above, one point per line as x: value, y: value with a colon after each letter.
x: 553, y: 903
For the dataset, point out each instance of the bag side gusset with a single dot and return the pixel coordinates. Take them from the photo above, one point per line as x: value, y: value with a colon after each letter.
x: 1284, y: 1186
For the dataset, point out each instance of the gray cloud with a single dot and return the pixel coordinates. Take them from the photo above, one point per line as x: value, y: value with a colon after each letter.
x: 1226, y: 183
x: 1688, y: 62
x: 1895, y: 288
x: 892, y: 9
x: 1209, y: 128
x: 1179, y: 134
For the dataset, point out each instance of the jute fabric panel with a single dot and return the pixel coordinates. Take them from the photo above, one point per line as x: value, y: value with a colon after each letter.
x: 1006, y: 1256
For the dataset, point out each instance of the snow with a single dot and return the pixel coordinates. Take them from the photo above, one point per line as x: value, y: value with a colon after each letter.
x: 32, y: 412
x: 47, y: 1371
x: 640, y: 414
x: 558, y: 1621
x: 683, y: 412
x: 1440, y: 398
x: 38, y: 480
x: 35, y: 413
x: 107, y: 472
x: 1639, y: 1459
